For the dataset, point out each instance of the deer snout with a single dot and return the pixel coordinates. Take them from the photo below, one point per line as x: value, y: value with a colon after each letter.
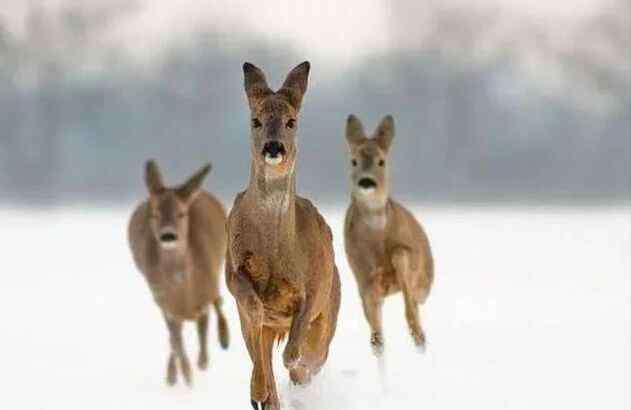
x: 367, y: 183
x: 274, y: 151
x: 168, y: 238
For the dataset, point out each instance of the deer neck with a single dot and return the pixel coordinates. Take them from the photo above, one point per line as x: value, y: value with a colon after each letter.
x: 274, y: 202
x: 173, y: 261
x: 372, y: 214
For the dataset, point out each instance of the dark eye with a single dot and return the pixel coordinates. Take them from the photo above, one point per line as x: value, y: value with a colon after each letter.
x: 291, y: 123
x: 354, y: 162
x: 180, y: 215
x: 256, y: 123
x: 382, y: 163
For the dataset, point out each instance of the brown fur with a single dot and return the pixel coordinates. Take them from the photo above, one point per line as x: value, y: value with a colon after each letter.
x: 280, y: 265
x: 386, y: 247
x: 184, y: 279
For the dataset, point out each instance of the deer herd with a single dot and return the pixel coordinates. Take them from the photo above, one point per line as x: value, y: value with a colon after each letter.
x: 277, y: 248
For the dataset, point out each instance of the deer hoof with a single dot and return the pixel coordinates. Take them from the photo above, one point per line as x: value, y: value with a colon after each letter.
x: 300, y: 375
x: 376, y: 342
x: 202, y: 361
x: 419, y: 341
x: 291, y: 357
x: 172, y: 371
x: 264, y: 405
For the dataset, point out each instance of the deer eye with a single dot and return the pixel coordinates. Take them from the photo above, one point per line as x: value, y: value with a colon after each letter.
x: 291, y: 123
x: 256, y: 123
x: 354, y: 162
x: 382, y: 163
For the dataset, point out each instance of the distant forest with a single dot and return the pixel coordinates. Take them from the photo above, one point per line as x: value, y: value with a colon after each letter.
x: 465, y: 132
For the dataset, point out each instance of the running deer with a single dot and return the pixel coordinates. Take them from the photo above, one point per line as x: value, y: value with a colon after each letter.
x: 178, y: 241
x: 280, y: 265
x: 387, y: 249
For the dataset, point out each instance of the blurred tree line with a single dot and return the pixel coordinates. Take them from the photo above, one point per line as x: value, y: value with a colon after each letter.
x: 73, y: 132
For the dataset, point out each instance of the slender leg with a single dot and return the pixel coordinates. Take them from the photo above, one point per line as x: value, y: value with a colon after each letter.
x: 202, y: 333
x: 172, y: 370
x: 251, y: 317
x: 297, y: 334
x: 222, y: 325
x: 372, y: 304
x: 319, y: 337
x: 272, y: 402
x: 401, y: 264
x: 177, y: 349
x: 252, y: 329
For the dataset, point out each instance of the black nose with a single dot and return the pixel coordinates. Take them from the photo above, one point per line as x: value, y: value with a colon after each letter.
x: 168, y: 237
x: 273, y: 148
x: 367, y: 183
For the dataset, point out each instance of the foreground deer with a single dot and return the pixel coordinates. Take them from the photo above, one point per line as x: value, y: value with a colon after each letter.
x: 280, y: 265
x: 178, y: 240
x: 386, y: 247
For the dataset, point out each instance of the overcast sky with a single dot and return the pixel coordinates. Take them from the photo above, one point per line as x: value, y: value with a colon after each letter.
x: 329, y: 29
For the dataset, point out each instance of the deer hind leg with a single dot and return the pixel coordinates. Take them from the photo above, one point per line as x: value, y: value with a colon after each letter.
x: 222, y: 325
x: 177, y: 354
x: 401, y: 262
x: 202, y: 333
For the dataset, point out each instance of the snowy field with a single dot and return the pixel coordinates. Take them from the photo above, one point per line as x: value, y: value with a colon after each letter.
x: 531, y: 309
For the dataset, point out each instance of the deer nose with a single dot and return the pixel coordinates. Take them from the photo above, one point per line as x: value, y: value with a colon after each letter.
x: 168, y: 237
x: 367, y: 183
x: 273, y: 148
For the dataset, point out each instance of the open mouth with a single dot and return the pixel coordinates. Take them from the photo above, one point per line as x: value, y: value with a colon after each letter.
x: 274, y: 152
x: 367, y: 184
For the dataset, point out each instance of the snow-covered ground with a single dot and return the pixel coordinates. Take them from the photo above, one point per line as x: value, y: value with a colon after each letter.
x: 531, y: 309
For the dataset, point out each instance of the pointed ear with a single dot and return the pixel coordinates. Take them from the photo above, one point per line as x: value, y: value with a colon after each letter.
x: 255, y: 84
x: 354, y: 131
x: 190, y: 188
x: 385, y: 132
x: 153, y: 177
x: 295, y: 85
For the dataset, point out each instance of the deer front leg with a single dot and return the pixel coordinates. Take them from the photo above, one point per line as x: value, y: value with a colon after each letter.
x: 298, y: 333
x: 202, y: 332
x: 372, y: 302
x: 177, y: 353
x: 222, y: 325
x: 251, y: 317
x: 401, y: 263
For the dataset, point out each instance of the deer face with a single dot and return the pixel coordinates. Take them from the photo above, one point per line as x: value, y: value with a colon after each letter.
x: 274, y: 119
x: 368, y: 160
x: 168, y: 207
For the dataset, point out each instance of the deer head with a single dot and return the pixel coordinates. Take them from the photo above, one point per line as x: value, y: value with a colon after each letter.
x: 274, y: 119
x: 168, y: 207
x: 369, y: 160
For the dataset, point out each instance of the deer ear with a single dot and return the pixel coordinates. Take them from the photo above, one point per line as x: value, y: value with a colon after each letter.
x: 255, y: 84
x: 189, y: 190
x: 295, y: 85
x: 153, y: 177
x: 385, y: 132
x: 354, y: 131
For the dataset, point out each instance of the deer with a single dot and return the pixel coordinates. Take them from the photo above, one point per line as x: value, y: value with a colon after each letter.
x: 280, y: 264
x: 178, y: 241
x: 386, y: 247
